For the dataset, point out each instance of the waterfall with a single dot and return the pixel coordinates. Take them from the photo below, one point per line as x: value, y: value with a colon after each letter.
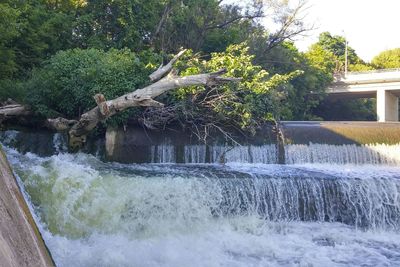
x: 95, y: 213
x: 343, y: 154
x: 370, y: 203
x: 368, y: 198
x: 8, y: 137
x: 267, y: 154
x: 59, y: 143
x: 195, y: 153
x: 48, y: 144
x: 163, y: 153
x: 166, y: 153
x: 42, y: 143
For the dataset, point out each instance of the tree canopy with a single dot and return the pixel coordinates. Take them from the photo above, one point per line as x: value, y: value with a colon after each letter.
x: 387, y: 59
x: 336, y: 45
x: 56, y: 52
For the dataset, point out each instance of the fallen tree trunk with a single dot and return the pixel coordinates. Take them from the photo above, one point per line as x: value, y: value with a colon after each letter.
x: 13, y: 111
x: 164, y: 79
x: 59, y: 124
x: 140, y: 97
x: 18, y: 112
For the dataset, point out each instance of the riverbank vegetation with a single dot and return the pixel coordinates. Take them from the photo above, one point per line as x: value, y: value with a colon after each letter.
x: 57, y: 55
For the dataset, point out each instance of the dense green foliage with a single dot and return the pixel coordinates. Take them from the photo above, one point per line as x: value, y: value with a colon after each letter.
x: 8, y: 31
x: 347, y: 110
x: 337, y: 46
x: 305, y: 91
x: 55, y: 55
x: 254, y: 100
x: 33, y: 31
x: 68, y: 81
x: 58, y: 54
x: 387, y: 59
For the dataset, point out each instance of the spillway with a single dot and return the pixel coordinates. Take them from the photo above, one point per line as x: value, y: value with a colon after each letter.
x: 329, y: 205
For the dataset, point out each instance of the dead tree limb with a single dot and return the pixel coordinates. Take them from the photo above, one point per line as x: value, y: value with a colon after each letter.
x: 59, y: 124
x: 17, y: 112
x: 140, y: 97
x: 164, y: 70
x: 164, y: 78
x: 14, y: 110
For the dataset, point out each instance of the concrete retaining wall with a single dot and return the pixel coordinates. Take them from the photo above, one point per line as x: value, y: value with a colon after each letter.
x: 341, y: 132
x: 20, y: 241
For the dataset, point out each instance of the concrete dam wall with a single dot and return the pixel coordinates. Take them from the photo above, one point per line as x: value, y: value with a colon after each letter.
x: 20, y: 241
x: 270, y: 145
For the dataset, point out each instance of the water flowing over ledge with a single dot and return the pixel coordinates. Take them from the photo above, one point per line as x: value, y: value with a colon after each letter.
x: 215, y: 154
x: 387, y: 154
x: 305, y: 213
x: 329, y: 205
x: 343, y: 154
x: 294, y: 154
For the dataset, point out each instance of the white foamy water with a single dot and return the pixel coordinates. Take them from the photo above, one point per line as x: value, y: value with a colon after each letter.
x: 166, y: 153
x: 369, y: 154
x: 59, y: 143
x: 377, y: 154
x: 103, y: 214
x: 343, y: 154
x: 243, y: 242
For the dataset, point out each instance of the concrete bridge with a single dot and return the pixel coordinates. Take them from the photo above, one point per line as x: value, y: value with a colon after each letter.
x: 384, y: 85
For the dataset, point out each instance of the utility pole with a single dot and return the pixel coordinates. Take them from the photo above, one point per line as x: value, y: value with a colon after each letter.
x: 345, y: 54
x: 345, y: 58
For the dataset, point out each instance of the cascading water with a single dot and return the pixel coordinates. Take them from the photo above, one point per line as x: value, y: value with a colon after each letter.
x: 166, y: 153
x: 59, y: 143
x: 331, y: 206
x: 343, y: 154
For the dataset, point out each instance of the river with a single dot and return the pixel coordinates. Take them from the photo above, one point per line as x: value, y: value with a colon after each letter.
x: 330, y: 206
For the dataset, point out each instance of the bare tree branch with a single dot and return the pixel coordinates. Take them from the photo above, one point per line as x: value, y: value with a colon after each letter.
x: 17, y: 111
x: 140, y: 97
x: 161, y: 23
x: 163, y: 70
x: 59, y: 124
x: 232, y: 20
x: 291, y: 25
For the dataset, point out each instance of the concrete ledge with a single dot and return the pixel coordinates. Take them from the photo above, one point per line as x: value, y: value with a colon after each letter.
x: 20, y: 241
x: 341, y: 132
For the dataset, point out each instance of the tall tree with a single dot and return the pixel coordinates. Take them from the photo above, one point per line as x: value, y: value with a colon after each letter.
x: 117, y: 24
x: 336, y: 44
x: 304, y: 92
x: 33, y: 31
x: 8, y: 32
x: 387, y: 59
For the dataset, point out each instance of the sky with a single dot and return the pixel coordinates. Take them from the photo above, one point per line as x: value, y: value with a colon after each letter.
x: 370, y: 26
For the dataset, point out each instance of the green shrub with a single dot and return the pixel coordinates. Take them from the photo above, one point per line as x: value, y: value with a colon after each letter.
x: 66, y: 84
x: 246, y: 104
x: 12, y: 89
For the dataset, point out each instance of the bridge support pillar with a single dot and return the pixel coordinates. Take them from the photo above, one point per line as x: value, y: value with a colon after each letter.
x: 387, y: 106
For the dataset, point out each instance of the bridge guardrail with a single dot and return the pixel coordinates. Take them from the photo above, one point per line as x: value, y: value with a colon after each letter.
x: 341, y: 74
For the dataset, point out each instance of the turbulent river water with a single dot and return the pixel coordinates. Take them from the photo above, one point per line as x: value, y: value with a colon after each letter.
x: 331, y: 206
